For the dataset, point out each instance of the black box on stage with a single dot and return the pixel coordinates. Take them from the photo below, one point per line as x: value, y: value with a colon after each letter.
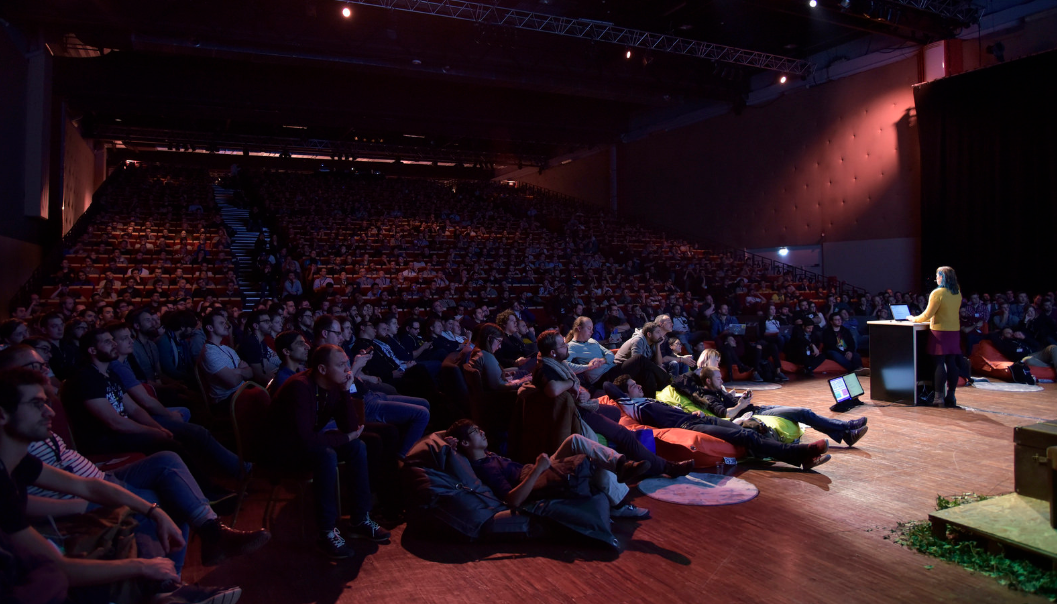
x: 1030, y: 468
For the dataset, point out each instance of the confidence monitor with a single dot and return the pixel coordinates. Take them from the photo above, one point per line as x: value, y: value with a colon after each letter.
x: 846, y: 391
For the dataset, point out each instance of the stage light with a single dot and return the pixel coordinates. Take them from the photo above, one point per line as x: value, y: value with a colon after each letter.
x: 346, y: 12
x: 627, y: 55
x: 783, y: 80
x: 783, y: 251
x: 813, y: 3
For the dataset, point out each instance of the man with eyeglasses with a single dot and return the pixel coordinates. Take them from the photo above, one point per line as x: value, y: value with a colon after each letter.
x: 263, y: 361
x: 66, y: 484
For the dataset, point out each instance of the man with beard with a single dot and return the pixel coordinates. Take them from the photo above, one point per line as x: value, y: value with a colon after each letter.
x: 640, y: 357
x: 553, y: 376
x: 106, y: 419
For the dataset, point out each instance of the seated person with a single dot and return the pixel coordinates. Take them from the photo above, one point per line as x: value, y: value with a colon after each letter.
x: 314, y: 424
x: 223, y: 371
x: 838, y: 344
x: 512, y: 351
x: 1014, y: 345
x: 106, y: 419
x: 513, y: 482
x: 593, y: 363
x: 640, y: 357
x: 710, y: 394
x: 553, y: 376
x: 293, y: 354
x: 803, y: 348
x: 493, y: 377
x: 263, y: 361
x: 24, y: 419
x: 651, y: 412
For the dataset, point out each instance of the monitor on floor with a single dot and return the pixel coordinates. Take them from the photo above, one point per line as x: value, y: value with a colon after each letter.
x: 846, y: 387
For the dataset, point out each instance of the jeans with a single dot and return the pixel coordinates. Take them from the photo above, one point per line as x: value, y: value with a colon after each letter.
x: 324, y: 464
x: 200, y: 442
x: 163, y: 478
x: 848, y: 364
x: 622, y: 439
x: 1047, y: 357
x: 605, y: 462
x: 756, y: 445
x: 833, y: 428
x: 409, y: 413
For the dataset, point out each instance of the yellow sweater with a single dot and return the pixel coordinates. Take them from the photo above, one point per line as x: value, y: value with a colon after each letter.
x: 942, y: 312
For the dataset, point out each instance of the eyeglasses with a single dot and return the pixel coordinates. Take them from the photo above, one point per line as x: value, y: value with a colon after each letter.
x: 37, y: 366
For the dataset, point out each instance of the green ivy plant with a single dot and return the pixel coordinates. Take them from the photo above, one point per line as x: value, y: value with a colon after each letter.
x: 963, y: 549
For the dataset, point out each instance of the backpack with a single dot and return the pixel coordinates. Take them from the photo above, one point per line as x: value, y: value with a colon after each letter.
x: 1021, y: 373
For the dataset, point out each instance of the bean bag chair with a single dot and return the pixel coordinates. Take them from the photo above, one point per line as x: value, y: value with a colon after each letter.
x: 678, y: 444
x: 986, y: 360
x: 787, y: 430
x: 447, y: 500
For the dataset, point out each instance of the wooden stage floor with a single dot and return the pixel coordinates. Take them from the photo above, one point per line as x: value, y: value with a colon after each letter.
x: 808, y: 537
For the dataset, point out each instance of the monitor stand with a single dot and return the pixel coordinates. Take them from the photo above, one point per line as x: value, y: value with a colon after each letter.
x: 846, y: 405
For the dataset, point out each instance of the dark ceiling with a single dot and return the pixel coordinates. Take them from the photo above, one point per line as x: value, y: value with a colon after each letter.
x: 296, y: 75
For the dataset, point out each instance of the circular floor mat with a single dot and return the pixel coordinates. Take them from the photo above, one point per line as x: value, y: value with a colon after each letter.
x: 1006, y: 387
x: 753, y: 385
x: 700, y: 489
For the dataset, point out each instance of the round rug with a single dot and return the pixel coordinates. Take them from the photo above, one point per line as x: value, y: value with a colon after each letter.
x: 1006, y: 387
x: 700, y: 489
x: 753, y: 385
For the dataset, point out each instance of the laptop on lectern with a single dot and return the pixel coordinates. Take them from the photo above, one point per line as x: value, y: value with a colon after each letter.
x: 900, y: 312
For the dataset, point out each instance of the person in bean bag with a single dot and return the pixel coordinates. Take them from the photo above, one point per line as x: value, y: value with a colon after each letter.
x: 650, y: 412
x: 707, y: 391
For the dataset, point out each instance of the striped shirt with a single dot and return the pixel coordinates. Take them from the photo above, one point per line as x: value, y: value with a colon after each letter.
x: 55, y: 453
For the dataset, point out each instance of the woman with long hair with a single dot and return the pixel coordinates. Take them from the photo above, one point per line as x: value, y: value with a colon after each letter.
x: 944, y: 340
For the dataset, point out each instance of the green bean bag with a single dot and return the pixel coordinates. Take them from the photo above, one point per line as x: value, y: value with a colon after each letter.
x: 788, y: 431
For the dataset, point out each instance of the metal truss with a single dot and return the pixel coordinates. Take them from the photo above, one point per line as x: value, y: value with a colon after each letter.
x: 965, y: 12
x: 594, y: 30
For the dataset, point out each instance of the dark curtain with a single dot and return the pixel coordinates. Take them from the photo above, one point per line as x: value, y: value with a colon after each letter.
x: 989, y: 175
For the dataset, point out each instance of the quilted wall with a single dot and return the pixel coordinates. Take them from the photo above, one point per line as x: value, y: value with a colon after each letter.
x: 838, y: 160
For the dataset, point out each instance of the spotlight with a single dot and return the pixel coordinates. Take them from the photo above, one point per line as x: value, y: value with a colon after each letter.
x: 627, y: 55
x: 813, y: 3
x: 783, y: 80
x: 783, y: 251
x: 346, y: 12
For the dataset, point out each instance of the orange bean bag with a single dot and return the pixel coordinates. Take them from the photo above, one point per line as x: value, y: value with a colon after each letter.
x: 678, y: 444
x: 988, y: 361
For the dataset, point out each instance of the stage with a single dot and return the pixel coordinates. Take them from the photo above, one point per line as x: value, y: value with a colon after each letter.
x: 807, y: 537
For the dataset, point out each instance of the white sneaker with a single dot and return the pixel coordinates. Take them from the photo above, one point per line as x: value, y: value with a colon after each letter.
x: 628, y: 511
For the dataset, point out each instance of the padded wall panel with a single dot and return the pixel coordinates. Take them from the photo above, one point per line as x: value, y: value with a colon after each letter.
x: 586, y: 178
x: 839, y: 159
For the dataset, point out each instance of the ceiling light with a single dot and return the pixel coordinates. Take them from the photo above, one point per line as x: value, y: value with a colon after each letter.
x: 627, y: 54
x: 812, y: 3
x: 346, y: 12
x: 416, y: 62
x: 783, y: 251
x: 783, y: 80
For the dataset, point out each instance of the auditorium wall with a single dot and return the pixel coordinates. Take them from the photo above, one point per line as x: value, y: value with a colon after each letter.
x: 835, y: 163
x: 586, y: 177
x: 82, y: 172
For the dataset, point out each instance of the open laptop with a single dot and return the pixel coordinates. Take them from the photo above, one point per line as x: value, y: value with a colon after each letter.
x: 900, y: 312
x: 846, y: 390
x: 736, y: 329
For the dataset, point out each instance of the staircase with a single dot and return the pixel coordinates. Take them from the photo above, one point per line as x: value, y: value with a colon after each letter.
x: 241, y: 244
